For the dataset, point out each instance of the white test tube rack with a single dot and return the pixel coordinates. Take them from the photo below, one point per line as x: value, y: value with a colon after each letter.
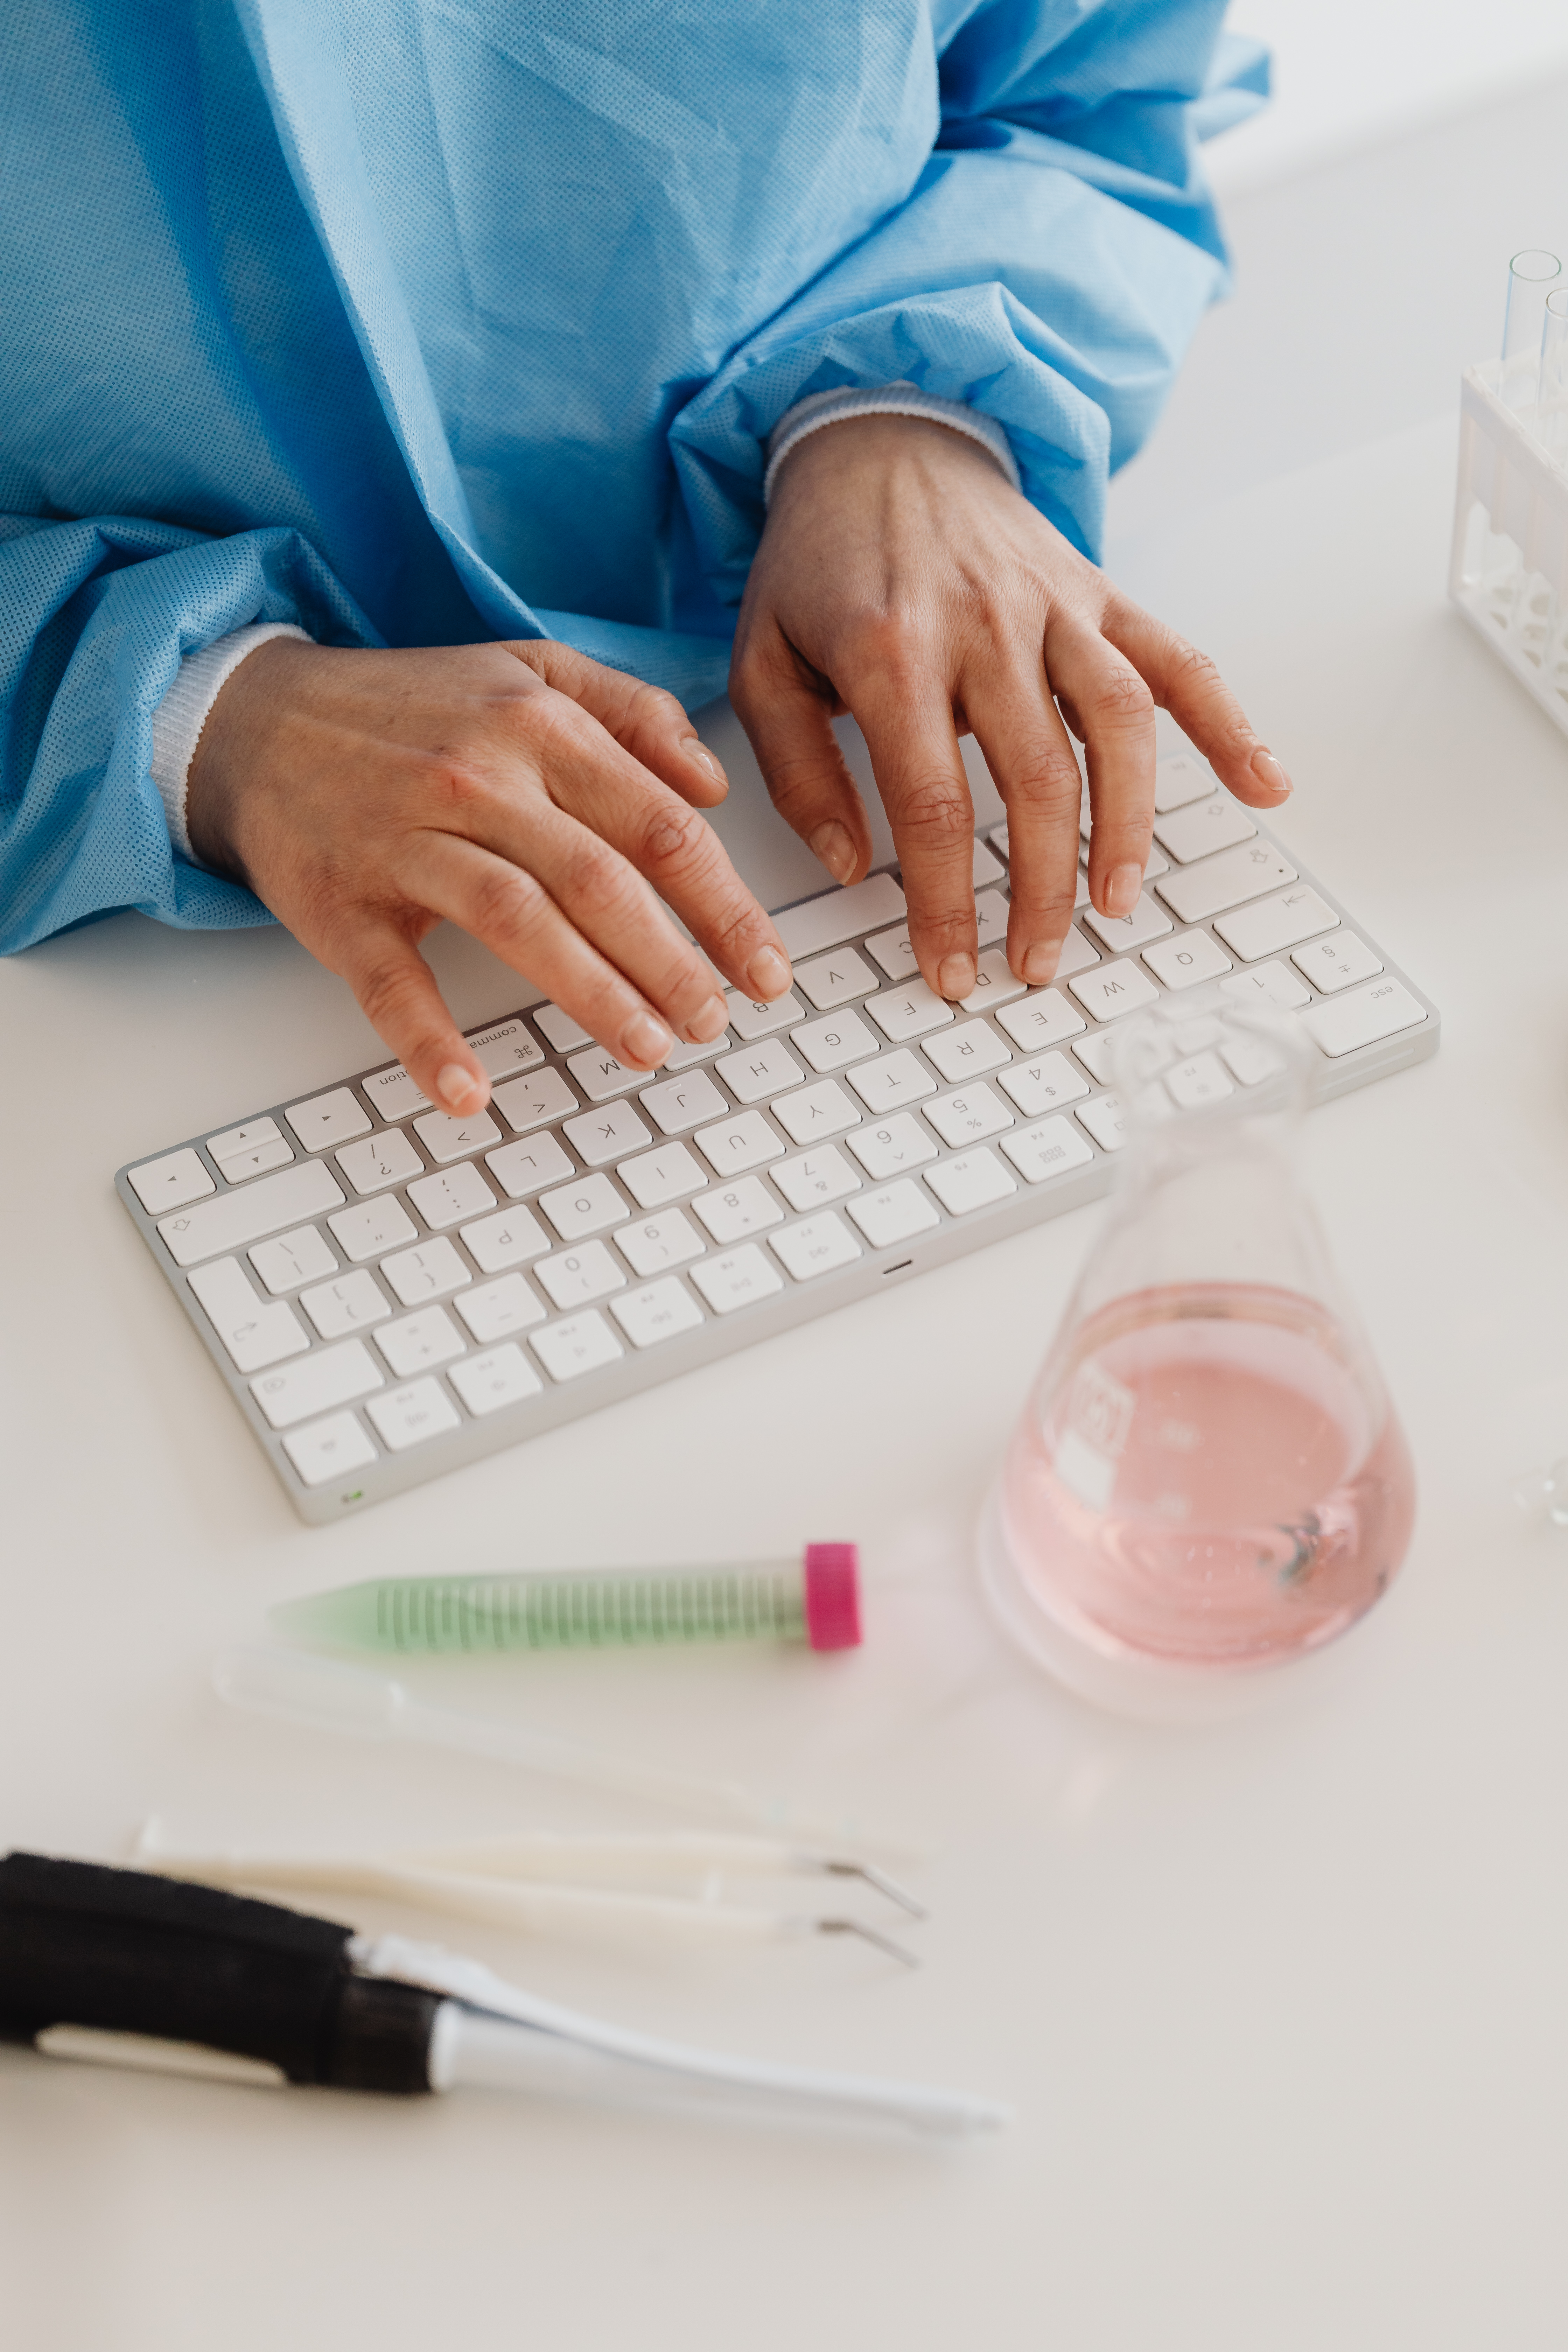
x: 1508, y: 571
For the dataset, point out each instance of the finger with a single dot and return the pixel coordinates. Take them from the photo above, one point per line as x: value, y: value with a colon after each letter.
x: 512, y: 914
x: 398, y: 990
x: 1116, y: 711
x: 1017, y: 725
x: 644, y: 720
x: 1186, y: 683
x: 905, y: 717
x: 787, y: 717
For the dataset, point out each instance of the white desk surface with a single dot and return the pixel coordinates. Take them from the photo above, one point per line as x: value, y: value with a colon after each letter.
x: 1280, y: 2003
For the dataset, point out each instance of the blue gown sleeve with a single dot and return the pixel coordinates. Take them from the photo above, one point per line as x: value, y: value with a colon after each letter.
x: 95, y: 618
x: 1047, y: 268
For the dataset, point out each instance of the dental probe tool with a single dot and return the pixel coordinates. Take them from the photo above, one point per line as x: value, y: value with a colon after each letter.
x: 126, y: 1968
x: 330, y: 1694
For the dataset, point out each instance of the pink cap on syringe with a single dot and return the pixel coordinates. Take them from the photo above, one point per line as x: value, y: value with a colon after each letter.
x: 832, y: 1596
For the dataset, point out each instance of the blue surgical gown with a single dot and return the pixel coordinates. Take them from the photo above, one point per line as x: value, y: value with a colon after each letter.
x: 424, y: 321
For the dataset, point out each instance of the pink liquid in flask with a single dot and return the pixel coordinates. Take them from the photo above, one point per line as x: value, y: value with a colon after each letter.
x: 1209, y: 1477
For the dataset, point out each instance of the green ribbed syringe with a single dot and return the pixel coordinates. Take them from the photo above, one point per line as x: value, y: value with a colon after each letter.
x: 815, y: 1599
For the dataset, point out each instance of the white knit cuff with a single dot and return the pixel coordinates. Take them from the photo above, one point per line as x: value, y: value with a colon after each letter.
x: 179, y: 718
x: 820, y: 408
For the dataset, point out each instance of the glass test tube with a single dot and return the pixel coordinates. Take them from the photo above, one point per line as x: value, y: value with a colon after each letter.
x: 1553, y: 396
x: 1532, y: 276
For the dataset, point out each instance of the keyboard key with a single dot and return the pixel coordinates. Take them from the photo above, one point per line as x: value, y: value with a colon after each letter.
x: 911, y: 1012
x: 1276, y: 923
x: 350, y: 1303
x: 1049, y: 1147
x: 681, y: 1104
x: 896, y: 1145
x: 1189, y: 958
x: 327, y: 1118
x: 527, y: 1103
x: 816, y: 1177
x: 296, y: 1257
x: 994, y: 983
x: 681, y: 1058
x: 1195, y: 1083
x: 495, y: 1309
x: 393, y: 1094
x: 249, y: 1150
x: 170, y: 1182
x: 731, y: 1213
x: 559, y: 1029
x: 987, y: 868
x: 739, y: 1144
x: 1122, y: 934
x: 577, y: 1278
x: 511, y: 1239
x: 891, y: 1081
x: 750, y: 1020
x: 255, y: 1333
x: 967, y: 1050
x: 1333, y: 963
x: 760, y: 1071
x: 835, y: 979
x: 371, y: 1227
x: 1178, y: 779
x: 1346, y: 1021
x: 1270, y: 983
x: 332, y: 1376
x: 419, y: 1341
x: 654, y: 1242
x: 1113, y: 989
x: 894, y: 1214
x: 600, y: 1076
x: 487, y: 1382
x: 818, y: 1247
x: 1047, y: 1083
x: 389, y: 1159
x: 667, y: 1174
x: 739, y: 1278
x: 407, y: 1416
x: 428, y: 1271
x: 969, y: 1117
x: 974, y: 1181
x: 990, y: 918
x: 1193, y: 893
x: 503, y: 1049
x: 1200, y: 827
x: 1077, y: 954
x: 998, y: 838
x: 829, y: 1044
x: 658, y: 1311
x: 453, y: 1138
x: 522, y: 1169
x: 1106, y: 1121
x: 581, y: 1344
x: 894, y: 953
x: 1042, y: 1020
x: 214, y: 1228
x: 1094, y: 1053
x: 839, y: 915
x: 1249, y: 1060
x: 583, y: 1208
x: 821, y: 1110
x: 600, y: 1136
x: 456, y: 1193
x: 328, y: 1449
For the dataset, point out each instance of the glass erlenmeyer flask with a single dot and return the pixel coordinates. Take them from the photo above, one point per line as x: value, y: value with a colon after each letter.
x: 1208, y: 1475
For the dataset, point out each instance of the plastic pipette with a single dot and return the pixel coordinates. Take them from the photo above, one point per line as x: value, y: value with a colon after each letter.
x: 814, y: 1598
x: 120, y: 1967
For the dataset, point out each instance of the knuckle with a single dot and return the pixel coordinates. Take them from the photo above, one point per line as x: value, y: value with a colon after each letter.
x: 890, y: 640
x: 672, y: 835
x: 936, y: 814
x: 507, y: 903
x: 1122, y: 698
x: 595, y: 882
x: 1047, y: 776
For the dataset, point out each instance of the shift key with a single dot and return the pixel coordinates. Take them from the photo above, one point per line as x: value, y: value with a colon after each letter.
x: 235, y: 1218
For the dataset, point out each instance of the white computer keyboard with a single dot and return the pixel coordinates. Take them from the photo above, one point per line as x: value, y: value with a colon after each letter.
x: 391, y: 1292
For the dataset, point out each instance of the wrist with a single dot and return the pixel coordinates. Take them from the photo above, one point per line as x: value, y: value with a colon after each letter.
x: 228, y: 762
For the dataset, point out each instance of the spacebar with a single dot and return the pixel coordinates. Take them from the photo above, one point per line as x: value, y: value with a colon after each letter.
x: 840, y: 914
x: 245, y: 1214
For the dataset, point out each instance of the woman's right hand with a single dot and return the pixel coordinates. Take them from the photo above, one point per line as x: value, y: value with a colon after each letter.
x: 521, y: 791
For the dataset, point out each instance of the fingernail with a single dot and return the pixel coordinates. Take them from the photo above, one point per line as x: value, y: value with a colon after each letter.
x: 767, y: 975
x: 1121, y: 889
x: 1040, y: 965
x: 1268, y: 771
x: 645, y: 1042
x: 459, y: 1089
x: 704, y: 759
x: 704, y: 1026
x: 955, y: 975
x: 833, y: 845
